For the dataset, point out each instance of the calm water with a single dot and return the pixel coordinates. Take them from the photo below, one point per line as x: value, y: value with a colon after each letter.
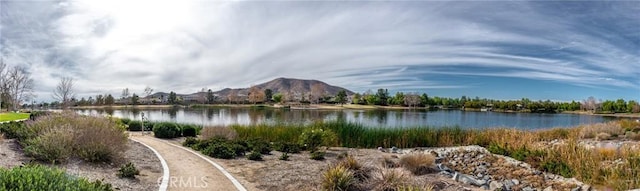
x: 373, y: 118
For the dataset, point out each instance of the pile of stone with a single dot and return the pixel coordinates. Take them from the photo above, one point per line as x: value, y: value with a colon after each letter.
x: 474, y: 165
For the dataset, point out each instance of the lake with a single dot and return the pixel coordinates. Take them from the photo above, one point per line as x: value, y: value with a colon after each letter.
x: 371, y: 118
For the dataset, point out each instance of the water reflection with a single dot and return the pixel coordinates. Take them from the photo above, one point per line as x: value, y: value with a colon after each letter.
x: 373, y: 118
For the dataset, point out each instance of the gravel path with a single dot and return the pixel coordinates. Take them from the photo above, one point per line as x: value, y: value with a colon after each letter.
x: 187, y: 170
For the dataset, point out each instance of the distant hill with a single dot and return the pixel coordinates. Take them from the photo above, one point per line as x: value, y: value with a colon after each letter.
x: 296, y: 87
x: 289, y: 85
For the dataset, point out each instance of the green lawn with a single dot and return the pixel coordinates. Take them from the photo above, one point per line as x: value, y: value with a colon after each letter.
x: 13, y: 116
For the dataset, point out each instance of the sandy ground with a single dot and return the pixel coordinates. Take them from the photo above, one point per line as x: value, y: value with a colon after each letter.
x: 302, y: 173
x: 143, y: 158
x: 187, y: 171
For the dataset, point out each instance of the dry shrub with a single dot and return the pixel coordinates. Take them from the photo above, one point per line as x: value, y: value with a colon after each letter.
x: 338, y: 177
x: 389, y: 178
x: 53, y: 145
x: 388, y: 162
x: 90, y: 138
x: 590, y: 131
x: 427, y: 187
x: 632, y: 135
x: 418, y: 163
x: 603, y: 136
x: 350, y: 163
x: 219, y: 132
x: 607, y: 153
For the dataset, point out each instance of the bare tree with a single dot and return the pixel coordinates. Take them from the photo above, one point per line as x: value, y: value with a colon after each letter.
x: 125, y: 94
x: 590, y: 104
x: 233, y: 96
x: 19, y: 86
x: 147, y: 92
x: 64, y: 91
x: 317, y: 91
x: 256, y: 95
x: 412, y: 99
x: 202, y: 95
x: 3, y: 87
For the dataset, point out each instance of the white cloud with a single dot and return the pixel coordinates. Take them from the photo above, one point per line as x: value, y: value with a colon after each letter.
x: 186, y: 45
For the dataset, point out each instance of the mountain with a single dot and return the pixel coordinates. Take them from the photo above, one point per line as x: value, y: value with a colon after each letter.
x: 288, y: 85
x: 296, y: 87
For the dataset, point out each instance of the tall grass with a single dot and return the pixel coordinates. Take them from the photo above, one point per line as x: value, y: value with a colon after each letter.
x: 617, y: 169
x: 358, y: 136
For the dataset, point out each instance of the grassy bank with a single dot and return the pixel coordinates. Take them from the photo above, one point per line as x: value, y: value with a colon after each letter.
x: 13, y: 116
x: 611, y: 167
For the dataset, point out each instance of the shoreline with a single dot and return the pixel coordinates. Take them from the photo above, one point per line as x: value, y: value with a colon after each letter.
x: 334, y: 107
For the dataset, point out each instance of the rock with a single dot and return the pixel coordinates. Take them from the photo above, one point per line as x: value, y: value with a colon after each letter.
x: 508, y: 184
x: 381, y: 149
x: 495, y: 185
x: 442, y: 167
x: 515, y: 181
x: 548, y: 189
x: 479, y: 175
x: 394, y: 149
x: 468, y: 180
x: 576, y: 189
x: 585, y: 188
x: 445, y: 173
x: 528, y: 189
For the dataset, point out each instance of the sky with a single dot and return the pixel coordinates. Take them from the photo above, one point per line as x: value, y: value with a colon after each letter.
x: 495, y: 49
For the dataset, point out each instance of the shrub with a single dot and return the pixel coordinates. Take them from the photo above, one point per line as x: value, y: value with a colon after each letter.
x: 134, y: 126
x: 317, y: 155
x: 11, y: 129
x: 418, y: 163
x: 128, y: 171
x: 603, y: 136
x: 54, y: 137
x: 591, y: 131
x: 189, y: 130
x: 389, y: 178
x: 190, y: 142
x: 314, y: 138
x: 632, y: 135
x: 256, y: 156
x: 350, y: 163
x: 557, y: 167
x: 337, y: 178
x: 259, y: 146
x: 220, y: 150
x: 220, y: 132
x: 287, y: 147
x: 125, y: 120
x: 166, y: 130
x: 38, y: 177
x: 54, y: 145
x: 284, y: 156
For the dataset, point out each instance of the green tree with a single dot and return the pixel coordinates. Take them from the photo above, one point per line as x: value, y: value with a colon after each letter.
x: 109, y: 100
x: 341, y: 97
x: 356, y: 98
x: 631, y: 106
x: 382, y: 97
x: 608, y: 106
x: 424, y: 99
x: 134, y: 99
x: 398, y: 99
x: 370, y: 99
x: 268, y: 95
x: 620, y: 106
x: 173, y: 98
x: 277, y: 97
x: 210, y: 97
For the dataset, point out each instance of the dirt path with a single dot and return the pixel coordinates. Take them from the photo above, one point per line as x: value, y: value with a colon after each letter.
x: 187, y: 170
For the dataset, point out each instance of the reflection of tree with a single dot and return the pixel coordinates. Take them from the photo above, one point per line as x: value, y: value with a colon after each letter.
x: 173, y: 112
x: 135, y: 112
x: 379, y: 115
x: 341, y: 116
x: 210, y: 114
x: 254, y: 116
x: 109, y: 111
